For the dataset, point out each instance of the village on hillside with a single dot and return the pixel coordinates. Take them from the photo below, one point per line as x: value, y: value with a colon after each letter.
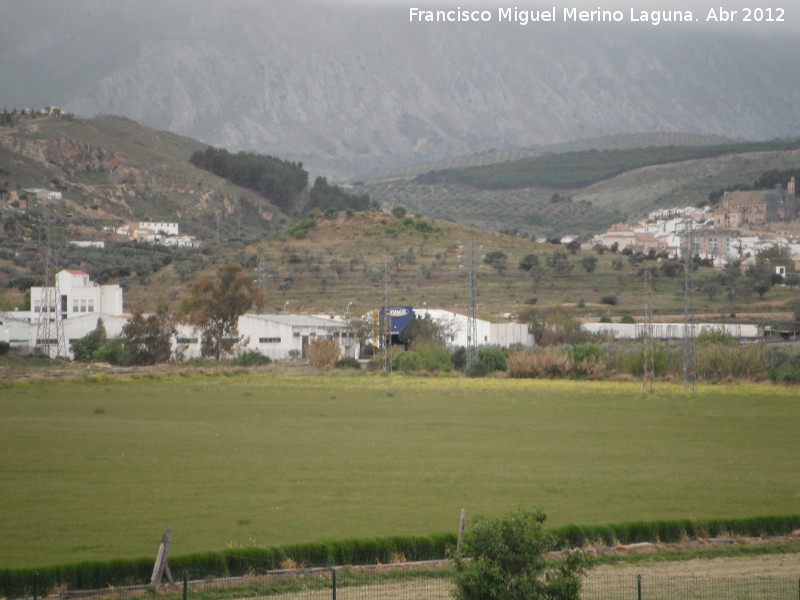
x: 743, y: 224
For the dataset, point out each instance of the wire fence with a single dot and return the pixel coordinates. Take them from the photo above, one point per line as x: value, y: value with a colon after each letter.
x: 434, y: 583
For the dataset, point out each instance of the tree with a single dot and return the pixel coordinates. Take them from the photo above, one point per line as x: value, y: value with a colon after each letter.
x: 214, y: 305
x: 422, y: 329
x: 760, y: 279
x: 498, y: 260
x: 509, y: 562
x: 528, y: 262
x: 148, y: 340
x: 85, y: 348
x: 589, y: 263
x: 559, y: 262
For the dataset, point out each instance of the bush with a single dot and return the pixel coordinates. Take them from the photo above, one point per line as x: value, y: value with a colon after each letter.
x: 493, y: 358
x: 348, y: 362
x: 323, y: 353
x: 426, y: 356
x: 715, y: 336
x: 720, y: 362
x: 610, y: 300
x: 251, y: 358
x: 459, y: 358
x: 785, y: 373
x: 547, y: 361
x: 587, y: 361
x: 632, y: 362
x: 5, y: 348
x: 508, y: 561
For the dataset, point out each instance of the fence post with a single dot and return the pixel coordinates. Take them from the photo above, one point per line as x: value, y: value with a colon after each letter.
x: 333, y: 583
x: 185, y: 584
x: 638, y: 587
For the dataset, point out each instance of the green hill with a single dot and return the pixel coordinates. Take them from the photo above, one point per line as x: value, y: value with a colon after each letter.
x: 112, y: 170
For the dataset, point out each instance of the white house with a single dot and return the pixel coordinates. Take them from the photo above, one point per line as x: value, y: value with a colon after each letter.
x: 77, y: 295
x: 159, y: 227
x: 42, y: 194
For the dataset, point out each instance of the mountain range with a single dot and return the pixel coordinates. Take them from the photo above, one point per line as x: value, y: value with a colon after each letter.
x: 353, y: 90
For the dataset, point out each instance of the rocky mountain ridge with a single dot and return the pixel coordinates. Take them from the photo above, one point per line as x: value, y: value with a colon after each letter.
x: 351, y: 90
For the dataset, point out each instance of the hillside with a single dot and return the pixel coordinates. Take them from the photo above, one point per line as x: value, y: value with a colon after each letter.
x: 347, y: 263
x: 575, y: 189
x: 112, y: 170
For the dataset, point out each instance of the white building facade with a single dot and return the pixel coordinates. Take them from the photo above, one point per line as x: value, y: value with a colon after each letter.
x: 75, y: 294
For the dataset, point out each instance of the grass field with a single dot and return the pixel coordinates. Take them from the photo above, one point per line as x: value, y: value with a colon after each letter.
x: 97, y: 469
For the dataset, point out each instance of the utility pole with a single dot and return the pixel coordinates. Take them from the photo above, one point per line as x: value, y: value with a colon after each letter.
x: 689, y: 350
x: 50, y: 326
x: 472, y: 324
x: 648, y: 370
x: 387, y: 322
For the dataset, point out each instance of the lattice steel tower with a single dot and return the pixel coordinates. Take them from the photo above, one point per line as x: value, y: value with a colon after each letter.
x: 689, y: 349
x: 387, y: 322
x: 648, y: 358
x: 50, y: 339
x: 472, y: 323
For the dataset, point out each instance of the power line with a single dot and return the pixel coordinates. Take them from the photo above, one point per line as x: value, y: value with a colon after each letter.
x: 648, y: 370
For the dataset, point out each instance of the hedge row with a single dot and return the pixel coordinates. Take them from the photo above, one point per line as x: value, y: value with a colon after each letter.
x: 18, y: 583
x: 575, y: 536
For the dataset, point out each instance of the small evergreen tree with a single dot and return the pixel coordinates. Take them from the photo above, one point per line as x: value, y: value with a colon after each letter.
x: 508, y: 560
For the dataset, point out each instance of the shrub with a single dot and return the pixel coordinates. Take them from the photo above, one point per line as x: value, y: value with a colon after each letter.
x: 459, y: 358
x: 477, y: 369
x: 323, y: 353
x: 610, y: 300
x: 632, y: 362
x: 715, y: 336
x: 113, y: 352
x: 426, y: 356
x: 719, y: 362
x: 508, y: 561
x: 348, y: 362
x: 785, y: 373
x: 251, y: 358
x: 493, y: 358
x: 5, y: 348
x: 547, y: 361
x: 587, y: 361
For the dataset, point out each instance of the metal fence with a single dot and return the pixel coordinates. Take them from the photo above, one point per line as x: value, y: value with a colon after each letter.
x: 402, y: 583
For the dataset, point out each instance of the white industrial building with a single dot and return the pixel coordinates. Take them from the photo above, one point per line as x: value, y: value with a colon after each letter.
x: 673, y: 331
x: 280, y: 337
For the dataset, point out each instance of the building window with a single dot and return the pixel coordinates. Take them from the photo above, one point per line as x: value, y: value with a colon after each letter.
x: 74, y: 306
x: 90, y: 306
x: 269, y: 340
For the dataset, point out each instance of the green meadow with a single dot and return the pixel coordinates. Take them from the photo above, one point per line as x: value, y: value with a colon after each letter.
x: 99, y: 468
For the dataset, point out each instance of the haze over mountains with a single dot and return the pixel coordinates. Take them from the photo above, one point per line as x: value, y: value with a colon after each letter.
x: 352, y: 90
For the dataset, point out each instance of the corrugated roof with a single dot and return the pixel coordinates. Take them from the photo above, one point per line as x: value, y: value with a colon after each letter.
x: 301, y: 320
